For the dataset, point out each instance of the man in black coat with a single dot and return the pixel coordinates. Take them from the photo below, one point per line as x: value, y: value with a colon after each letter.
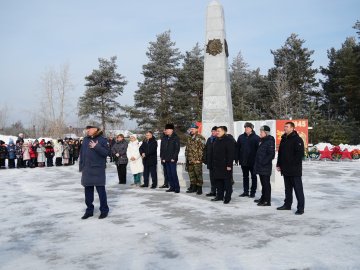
x: 289, y: 163
x: 207, y: 160
x: 247, y: 145
x: 166, y: 180
x: 169, y: 152
x: 263, y: 164
x: 148, y: 152
x: 92, y: 164
x: 222, y: 159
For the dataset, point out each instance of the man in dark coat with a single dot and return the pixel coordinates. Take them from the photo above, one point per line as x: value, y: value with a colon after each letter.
x: 169, y: 152
x: 247, y: 145
x: 148, y: 152
x: 3, y: 154
x: 207, y: 160
x: 263, y: 164
x: 289, y: 163
x: 92, y: 164
x: 118, y: 151
x: 222, y: 159
x: 166, y: 180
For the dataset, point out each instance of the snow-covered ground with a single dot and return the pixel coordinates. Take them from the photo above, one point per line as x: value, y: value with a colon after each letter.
x: 40, y: 225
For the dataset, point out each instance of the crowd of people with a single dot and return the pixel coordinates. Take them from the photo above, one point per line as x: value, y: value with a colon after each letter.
x: 38, y: 153
x: 220, y: 152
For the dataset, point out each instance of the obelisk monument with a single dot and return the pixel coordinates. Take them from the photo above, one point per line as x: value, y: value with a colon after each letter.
x: 217, y: 103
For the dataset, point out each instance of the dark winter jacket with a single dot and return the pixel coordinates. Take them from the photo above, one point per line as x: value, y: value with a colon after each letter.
x: 170, y: 148
x: 49, y: 151
x: 208, y: 151
x: 120, y: 147
x: 246, y: 148
x: 11, y: 148
x: 222, y: 156
x: 264, y: 156
x: 19, y: 152
x: 290, y: 155
x: 76, y: 150
x: 149, y: 148
x: 92, y: 162
x: 3, y: 151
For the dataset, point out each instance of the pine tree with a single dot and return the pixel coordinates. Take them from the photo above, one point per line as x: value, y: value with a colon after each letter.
x: 246, y: 89
x: 188, y: 95
x: 103, y: 86
x: 294, y: 60
x: 153, y: 103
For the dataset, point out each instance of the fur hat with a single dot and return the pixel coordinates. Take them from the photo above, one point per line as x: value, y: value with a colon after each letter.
x: 169, y: 126
x: 249, y: 125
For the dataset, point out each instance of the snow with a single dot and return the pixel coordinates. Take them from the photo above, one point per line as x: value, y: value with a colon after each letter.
x: 41, y: 228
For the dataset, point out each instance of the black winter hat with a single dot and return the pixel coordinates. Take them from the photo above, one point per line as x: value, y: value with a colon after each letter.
x: 214, y: 128
x: 169, y: 126
x: 265, y: 128
x: 249, y: 125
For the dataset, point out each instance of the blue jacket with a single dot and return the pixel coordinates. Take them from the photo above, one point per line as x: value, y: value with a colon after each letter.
x: 11, y: 151
x: 264, y: 156
x: 92, y: 162
x: 247, y: 147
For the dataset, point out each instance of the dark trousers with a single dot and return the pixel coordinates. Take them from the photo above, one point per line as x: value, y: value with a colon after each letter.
x: 246, y: 170
x: 172, y: 176
x: 150, y: 170
x: 224, y: 186
x: 266, y: 188
x: 89, y: 199
x: 212, y: 181
x: 294, y: 182
x: 26, y: 163
x: 58, y: 161
x: 49, y: 162
x: 2, y: 162
x: 166, y: 180
x: 121, y: 169
x: 71, y: 160
x: 11, y: 163
x: 19, y: 163
x: 33, y: 163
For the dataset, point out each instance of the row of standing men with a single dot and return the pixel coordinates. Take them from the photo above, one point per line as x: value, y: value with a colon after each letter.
x: 220, y: 152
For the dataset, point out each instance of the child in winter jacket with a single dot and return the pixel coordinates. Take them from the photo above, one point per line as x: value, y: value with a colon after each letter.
x: 32, y: 151
x: 26, y: 154
x: 11, y: 154
x: 58, y: 149
x: 49, y: 153
x: 3, y: 154
x: 40, y: 150
x: 19, y: 154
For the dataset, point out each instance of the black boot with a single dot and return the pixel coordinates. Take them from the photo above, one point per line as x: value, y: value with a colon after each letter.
x: 211, y: 194
x: 193, y: 189
x: 86, y: 215
x: 244, y: 195
x: 199, y: 190
x: 189, y: 190
x: 164, y: 186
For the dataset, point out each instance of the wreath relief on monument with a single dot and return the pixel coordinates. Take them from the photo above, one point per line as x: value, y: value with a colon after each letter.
x: 214, y: 47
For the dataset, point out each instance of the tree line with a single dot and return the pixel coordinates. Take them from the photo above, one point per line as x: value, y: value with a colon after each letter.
x: 171, y: 90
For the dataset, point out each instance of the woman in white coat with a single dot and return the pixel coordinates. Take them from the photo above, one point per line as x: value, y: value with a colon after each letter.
x: 135, y: 161
x: 58, y: 149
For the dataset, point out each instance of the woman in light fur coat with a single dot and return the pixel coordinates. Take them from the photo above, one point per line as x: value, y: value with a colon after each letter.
x: 135, y: 161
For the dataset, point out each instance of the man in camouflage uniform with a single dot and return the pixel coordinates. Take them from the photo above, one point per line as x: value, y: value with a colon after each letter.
x: 194, y: 157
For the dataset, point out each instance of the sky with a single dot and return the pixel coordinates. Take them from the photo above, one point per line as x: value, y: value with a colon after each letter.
x: 40, y: 34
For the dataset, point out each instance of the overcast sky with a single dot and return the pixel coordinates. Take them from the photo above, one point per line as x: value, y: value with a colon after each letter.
x: 40, y: 34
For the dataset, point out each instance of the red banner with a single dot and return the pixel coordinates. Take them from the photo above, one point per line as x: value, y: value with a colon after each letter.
x: 301, y: 126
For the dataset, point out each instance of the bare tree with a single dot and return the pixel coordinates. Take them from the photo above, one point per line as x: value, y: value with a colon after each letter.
x: 55, y: 86
x: 3, y: 116
x: 281, y: 98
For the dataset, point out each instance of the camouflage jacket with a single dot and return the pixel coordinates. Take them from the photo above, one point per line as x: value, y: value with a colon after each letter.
x: 195, y: 149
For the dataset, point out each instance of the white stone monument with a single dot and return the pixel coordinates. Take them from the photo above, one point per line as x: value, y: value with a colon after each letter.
x: 217, y: 104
